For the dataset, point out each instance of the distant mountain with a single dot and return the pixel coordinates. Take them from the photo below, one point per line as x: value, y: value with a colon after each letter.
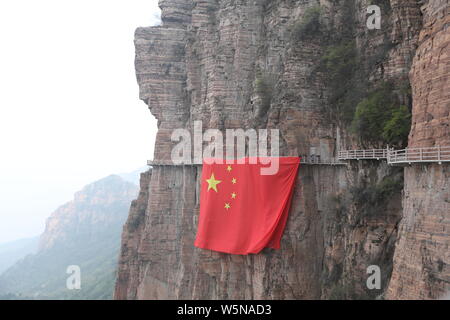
x: 84, y: 232
x: 133, y: 176
x: 11, y: 252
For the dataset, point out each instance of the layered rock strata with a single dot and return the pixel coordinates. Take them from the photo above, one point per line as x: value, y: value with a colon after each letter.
x: 209, y: 61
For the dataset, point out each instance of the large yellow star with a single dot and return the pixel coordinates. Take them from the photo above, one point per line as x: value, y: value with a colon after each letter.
x: 212, y: 183
x: 227, y: 206
x: 233, y: 195
x: 233, y: 181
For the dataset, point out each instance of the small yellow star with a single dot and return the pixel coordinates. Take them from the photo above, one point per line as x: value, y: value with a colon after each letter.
x: 234, y: 181
x: 227, y: 206
x: 233, y: 195
x: 229, y: 168
x: 212, y: 183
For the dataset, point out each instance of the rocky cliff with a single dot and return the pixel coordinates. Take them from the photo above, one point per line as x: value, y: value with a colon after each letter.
x: 301, y: 67
x: 422, y: 256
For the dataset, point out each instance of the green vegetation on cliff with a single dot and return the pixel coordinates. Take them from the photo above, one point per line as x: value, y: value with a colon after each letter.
x: 396, y: 129
x: 370, y: 115
x: 377, y: 116
x: 309, y: 26
x: 339, y: 64
x: 372, y: 199
x: 264, y: 86
x: 380, y: 118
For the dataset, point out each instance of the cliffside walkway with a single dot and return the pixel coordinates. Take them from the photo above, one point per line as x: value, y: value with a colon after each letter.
x: 438, y: 154
x: 305, y: 160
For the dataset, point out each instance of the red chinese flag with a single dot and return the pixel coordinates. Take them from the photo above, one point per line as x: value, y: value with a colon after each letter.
x: 242, y: 211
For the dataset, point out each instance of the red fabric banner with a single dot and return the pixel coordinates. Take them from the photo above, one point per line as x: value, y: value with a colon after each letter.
x: 242, y: 211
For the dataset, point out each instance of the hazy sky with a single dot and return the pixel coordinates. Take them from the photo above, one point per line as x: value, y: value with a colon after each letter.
x: 69, y: 106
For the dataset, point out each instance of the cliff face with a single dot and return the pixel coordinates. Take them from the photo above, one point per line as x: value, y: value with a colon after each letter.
x: 210, y: 61
x: 132, y: 232
x: 422, y: 259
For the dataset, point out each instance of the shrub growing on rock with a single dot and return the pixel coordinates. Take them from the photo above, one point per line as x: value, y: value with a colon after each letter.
x: 308, y: 26
x: 379, y: 119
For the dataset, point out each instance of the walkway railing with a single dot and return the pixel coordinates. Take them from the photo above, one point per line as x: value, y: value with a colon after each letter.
x: 427, y: 154
x: 408, y: 155
x: 317, y: 160
x: 375, y: 154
